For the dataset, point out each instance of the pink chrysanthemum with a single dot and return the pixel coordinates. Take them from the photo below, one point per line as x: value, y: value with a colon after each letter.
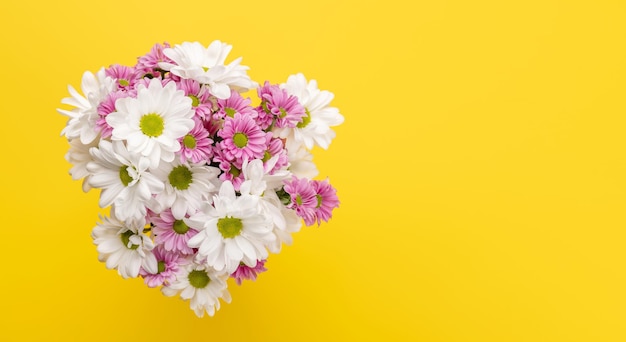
x: 149, y: 63
x: 199, y: 95
x: 303, y: 198
x: 327, y: 200
x: 106, y: 107
x: 196, y: 145
x: 231, y: 170
x: 125, y: 77
x: 244, y: 272
x: 243, y: 138
x: 284, y: 109
x: 168, y: 265
x: 172, y: 234
x: 275, y: 148
x: 234, y: 104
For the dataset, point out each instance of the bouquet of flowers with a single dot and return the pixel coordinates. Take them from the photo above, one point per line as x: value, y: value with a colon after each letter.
x: 201, y: 183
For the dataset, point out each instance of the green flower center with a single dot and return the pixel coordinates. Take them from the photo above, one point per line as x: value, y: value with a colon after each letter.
x: 230, y: 112
x: 194, y: 100
x: 283, y: 113
x: 240, y: 140
x: 123, y: 82
x: 234, y: 171
x: 198, y: 279
x: 151, y: 124
x: 125, y: 236
x: 267, y: 156
x: 180, y: 177
x: 319, y: 200
x: 180, y: 227
x: 305, y: 119
x: 124, y: 176
x: 160, y: 266
x: 229, y: 227
x: 299, y: 199
x: 205, y: 68
x: 189, y: 141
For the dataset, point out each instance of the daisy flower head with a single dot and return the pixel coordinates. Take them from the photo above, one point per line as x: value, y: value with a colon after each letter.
x: 275, y: 157
x: 196, y: 145
x: 171, y: 233
x: 152, y: 123
x: 232, y: 105
x: 168, y: 265
x: 187, y: 186
x: 245, y: 272
x: 125, y: 77
x: 124, y: 247
x: 148, y: 64
x: 123, y: 178
x: 284, y: 109
x: 232, y: 231
x: 231, y: 169
x: 206, y: 65
x: 319, y: 116
x: 106, y: 107
x: 82, y: 119
x: 327, y: 200
x: 199, y: 95
x: 78, y: 155
x: 202, y: 286
x: 303, y: 198
x: 242, y: 138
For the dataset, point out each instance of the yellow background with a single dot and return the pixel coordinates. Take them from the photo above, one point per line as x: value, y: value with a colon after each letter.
x: 481, y: 170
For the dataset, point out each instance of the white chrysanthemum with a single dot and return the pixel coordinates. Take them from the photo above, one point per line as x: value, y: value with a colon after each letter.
x: 78, y: 155
x: 300, y: 161
x: 206, y: 65
x: 187, y: 186
x: 82, y: 119
x: 235, y: 230
x: 315, y: 127
x: 124, y: 180
x: 125, y: 248
x: 153, y: 122
x: 202, y: 286
x: 284, y: 221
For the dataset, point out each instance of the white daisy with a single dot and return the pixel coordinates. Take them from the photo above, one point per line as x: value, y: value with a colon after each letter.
x: 82, y: 119
x: 315, y: 127
x: 300, y: 160
x: 187, y: 186
x: 206, y: 65
x: 153, y: 122
x: 124, y: 247
x: 202, y: 286
x: 78, y: 155
x: 123, y: 178
x: 232, y: 231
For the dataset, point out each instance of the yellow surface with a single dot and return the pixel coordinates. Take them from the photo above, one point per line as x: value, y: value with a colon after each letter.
x: 481, y: 170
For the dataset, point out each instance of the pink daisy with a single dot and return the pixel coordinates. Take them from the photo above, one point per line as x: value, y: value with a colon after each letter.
x: 231, y: 171
x: 243, y: 138
x: 303, y: 198
x: 172, y: 234
x: 234, y: 104
x: 327, y: 200
x: 167, y: 264
x: 244, y: 272
x: 275, y: 148
x: 199, y: 95
x: 264, y: 116
x: 149, y: 63
x: 196, y: 145
x: 106, y: 107
x: 124, y: 76
x: 284, y: 108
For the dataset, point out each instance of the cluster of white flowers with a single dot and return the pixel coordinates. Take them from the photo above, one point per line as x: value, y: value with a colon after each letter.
x: 201, y: 184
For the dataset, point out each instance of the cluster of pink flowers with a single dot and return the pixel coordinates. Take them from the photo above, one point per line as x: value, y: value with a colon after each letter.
x: 201, y: 182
